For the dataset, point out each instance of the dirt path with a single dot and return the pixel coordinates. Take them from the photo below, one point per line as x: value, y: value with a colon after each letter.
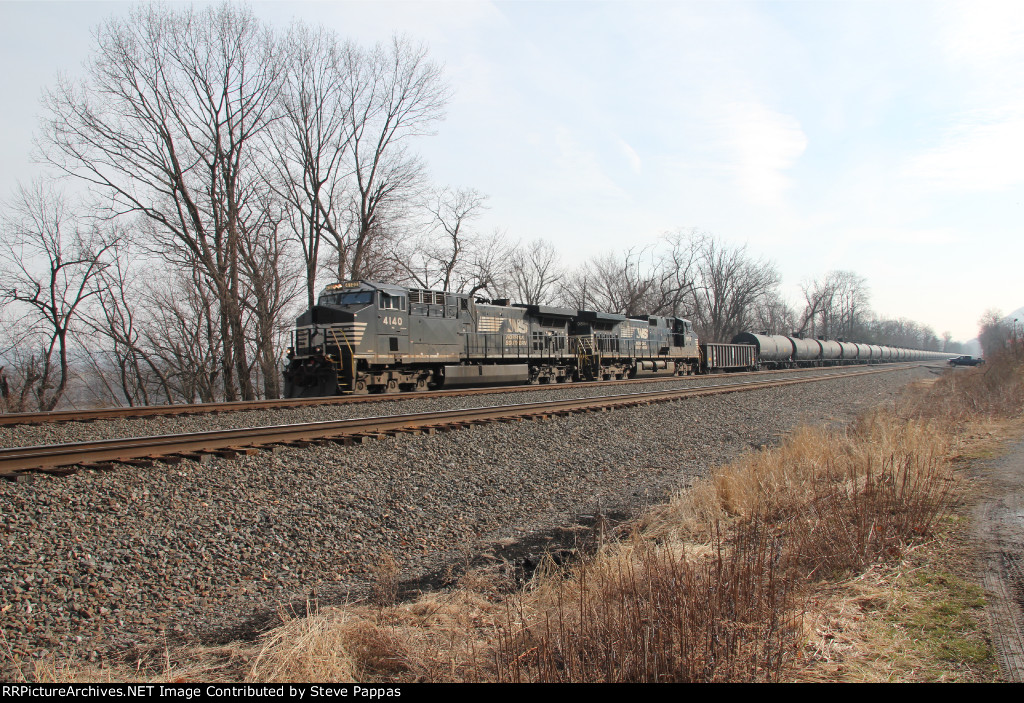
x: 999, y: 529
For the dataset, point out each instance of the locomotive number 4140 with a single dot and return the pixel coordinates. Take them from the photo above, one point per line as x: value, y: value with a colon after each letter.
x: 396, y: 321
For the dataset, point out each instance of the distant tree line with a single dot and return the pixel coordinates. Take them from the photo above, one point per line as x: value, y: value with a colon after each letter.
x: 229, y: 168
x: 1000, y: 335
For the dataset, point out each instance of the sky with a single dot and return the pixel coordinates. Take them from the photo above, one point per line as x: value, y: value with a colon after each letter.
x: 880, y: 137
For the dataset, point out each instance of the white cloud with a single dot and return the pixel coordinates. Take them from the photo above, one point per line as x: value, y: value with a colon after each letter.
x: 763, y: 145
x: 983, y: 150
x: 900, y: 235
x: 983, y: 34
x: 629, y: 154
x: 578, y: 171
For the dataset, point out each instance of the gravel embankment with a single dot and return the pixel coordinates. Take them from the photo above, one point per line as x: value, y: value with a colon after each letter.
x: 102, y: 561
x: 31, y: 435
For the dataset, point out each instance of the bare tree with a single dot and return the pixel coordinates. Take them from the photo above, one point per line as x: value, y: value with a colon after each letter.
x: 730, y: 284
x: 393, y: 93
x: 657, y: 280
x: 534, y: 271
x: 181, y: 331
x: 993, y: 333
x: 487, y: 266
x: 835, y: 306
x: 50, y: 261
x: 271, y: 286
x: 773, y: 315
x: 166, y: 124
x: 612, y: 283
x: 441, y: 257
x: 311, y: 140
x: 115, y: 316
x: 675, y: 274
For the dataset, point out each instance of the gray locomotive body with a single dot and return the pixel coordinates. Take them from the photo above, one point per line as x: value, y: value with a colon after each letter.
x: 365, y: 336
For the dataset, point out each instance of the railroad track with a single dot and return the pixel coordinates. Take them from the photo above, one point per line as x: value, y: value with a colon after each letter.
x: 144, y: 411
x: 62, y: 459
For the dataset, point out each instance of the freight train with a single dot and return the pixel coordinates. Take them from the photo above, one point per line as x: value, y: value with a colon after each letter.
x: 370, y: 337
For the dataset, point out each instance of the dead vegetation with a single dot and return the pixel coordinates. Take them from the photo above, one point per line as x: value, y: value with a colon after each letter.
x: 826, y: 558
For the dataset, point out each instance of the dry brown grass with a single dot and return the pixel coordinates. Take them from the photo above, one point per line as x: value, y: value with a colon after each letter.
x: 798, y: 475
x: 993, y: 390
x: 712, y: 587
x: 645, y: 611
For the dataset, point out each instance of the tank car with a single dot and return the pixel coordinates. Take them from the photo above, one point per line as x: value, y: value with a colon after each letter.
x: 773, y: 351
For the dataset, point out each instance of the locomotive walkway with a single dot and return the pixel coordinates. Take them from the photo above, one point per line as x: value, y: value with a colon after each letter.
x: 63, y: 459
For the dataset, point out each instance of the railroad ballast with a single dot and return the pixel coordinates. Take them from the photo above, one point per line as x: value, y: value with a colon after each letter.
x: 369, y: 337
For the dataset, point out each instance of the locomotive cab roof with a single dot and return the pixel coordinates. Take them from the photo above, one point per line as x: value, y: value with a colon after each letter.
x: 600, y: 316
x: 348, y: 286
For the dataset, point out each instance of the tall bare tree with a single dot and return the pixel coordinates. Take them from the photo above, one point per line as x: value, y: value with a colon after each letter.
x: 836, y: 306
x: 271, y: 285
x: 311, y: 140
x: 393, y: 93
x: 166, y: 124
x: 49, y: 261
x: 675, y: 274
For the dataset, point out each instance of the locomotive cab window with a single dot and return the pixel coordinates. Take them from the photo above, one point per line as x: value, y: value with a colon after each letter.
x: 391, y: 302
x: 360, y: 298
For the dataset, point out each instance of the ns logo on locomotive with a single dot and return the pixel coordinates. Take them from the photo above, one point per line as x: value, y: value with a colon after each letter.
x: 369, y: 337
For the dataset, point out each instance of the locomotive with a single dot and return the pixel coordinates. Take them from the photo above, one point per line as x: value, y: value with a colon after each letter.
x: 366, y: 337
x: 371, y: 337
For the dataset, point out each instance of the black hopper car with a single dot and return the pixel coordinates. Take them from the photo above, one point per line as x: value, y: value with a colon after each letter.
x: 368, y: 337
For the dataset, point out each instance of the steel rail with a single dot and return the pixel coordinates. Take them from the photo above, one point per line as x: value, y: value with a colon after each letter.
x: 58, y: 416
x: 56, y: 458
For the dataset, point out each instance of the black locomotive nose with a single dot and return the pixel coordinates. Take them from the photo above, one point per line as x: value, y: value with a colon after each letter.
x: 321, y: 315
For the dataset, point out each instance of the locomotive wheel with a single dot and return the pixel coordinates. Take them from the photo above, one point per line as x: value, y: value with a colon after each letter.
x: 391, y: 386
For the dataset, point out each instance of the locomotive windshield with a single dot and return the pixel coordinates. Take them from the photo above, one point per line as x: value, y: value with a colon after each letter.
x: 364, y: 297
